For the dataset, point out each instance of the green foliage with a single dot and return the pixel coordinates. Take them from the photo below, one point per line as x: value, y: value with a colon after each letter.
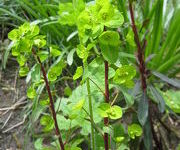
x: 109, y: 42
x: 134, y: 130
x: 172, y: 100
x: 104, y: 34
x: 124, y: 75
x: 47, y: 122
x: 79, y: 73
x: 113, y: 112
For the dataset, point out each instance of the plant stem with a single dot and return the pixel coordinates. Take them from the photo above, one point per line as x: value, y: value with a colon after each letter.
x: 91, y: 115
x: 142, y: 69
x: 106, y: 121
x: 51, y: 101
x: 140, y: 55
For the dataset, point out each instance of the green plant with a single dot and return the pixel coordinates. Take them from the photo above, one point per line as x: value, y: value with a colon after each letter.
x: 109, y: 85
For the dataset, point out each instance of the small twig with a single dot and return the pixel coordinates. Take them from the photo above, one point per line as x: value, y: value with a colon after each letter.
x: 15, y: 82
x: 114, y: 99
x: 16, y: 125
x: 7, y: 120
x: 17, y: 141
x: 14, y: 106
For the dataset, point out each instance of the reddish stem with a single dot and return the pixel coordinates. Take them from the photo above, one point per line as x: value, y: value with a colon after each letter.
x: 142, y: 68
x: 106, y: 121
x: 51, y: 101
x: 140, y: 55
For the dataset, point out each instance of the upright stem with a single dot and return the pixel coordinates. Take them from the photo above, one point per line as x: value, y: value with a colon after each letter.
x: 140, y: 56
x: 91, y: 114
x: 142, y: 68
x: 51, y: 101
x: 106, y: 121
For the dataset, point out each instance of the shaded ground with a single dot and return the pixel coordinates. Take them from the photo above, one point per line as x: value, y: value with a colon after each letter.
x: 12, y: 103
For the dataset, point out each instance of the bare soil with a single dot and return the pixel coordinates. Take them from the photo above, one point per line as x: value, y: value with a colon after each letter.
x: 12, y: 122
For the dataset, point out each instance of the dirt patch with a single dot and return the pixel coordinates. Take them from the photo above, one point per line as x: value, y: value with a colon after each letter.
x: 12, y: 106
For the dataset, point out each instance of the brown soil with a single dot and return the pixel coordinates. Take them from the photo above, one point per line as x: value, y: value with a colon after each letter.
x: 12, y: 90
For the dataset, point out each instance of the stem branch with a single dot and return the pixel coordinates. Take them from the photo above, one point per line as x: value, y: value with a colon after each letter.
x: 51, y: 101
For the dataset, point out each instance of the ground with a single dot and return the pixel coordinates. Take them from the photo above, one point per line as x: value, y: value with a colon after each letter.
x: 12, y: 104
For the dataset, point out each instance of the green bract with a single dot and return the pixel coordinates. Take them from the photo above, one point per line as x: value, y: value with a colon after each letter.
x: 134, y: 130
x: 47, y: 122
x: 113, y: 112
x: 69, y: 12
x: 109, y: 42
x: 31, y: 92
x: 55, y: 71
x: 124, y: 75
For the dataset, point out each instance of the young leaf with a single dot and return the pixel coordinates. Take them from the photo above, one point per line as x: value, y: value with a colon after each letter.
x: 36, y: 73
x: 43, y: 55
x: 23, y: 71
x: 116, y: 112
x: 21, y: 59
x: 47, y: 122
x: 134, y: 130
x: 79, y: 73
x: 70, y: 57
x: 109, y: 42
x: 124, y: 75
x: 54, y: 52
x: 14, y: 35
x: 31, y: 92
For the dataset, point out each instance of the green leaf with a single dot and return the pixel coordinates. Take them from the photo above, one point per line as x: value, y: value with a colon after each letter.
x: 124, y: 75
x: 67, y: 91
x: 113, y: 112
x: 143, y: 109
x: 164, y: 78
x: 21, y: 59
x: 134, y: 130
x: 119, y: 139
x: 158, y: 98
x: 148, y: 141
x: 116, y: 112
x: 116, y: 21
x: 109, y: 38
x: 40, y: 42
x: 109, y: 42
x: 38, y: 144
x: 130, y: 38
x: 82, y: 52
x: 43, y: 55
x: 104, y: 109
x: 56, y: 71
x: 79, y: 105
x: 172, y: 99
x: 79, y: 73
x: 31, y: 92
x: 70, y: 57
x: 55, y: 52
x: 63, y: 123
x: 36, y: 73
x: 14, y: 35
x: 47, y: 122
x: 23, y: 71
x: 44, y: 102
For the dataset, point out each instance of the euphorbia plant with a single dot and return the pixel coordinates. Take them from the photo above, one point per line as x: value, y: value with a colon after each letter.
x: 27, y: 43
x: 96, y: 25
